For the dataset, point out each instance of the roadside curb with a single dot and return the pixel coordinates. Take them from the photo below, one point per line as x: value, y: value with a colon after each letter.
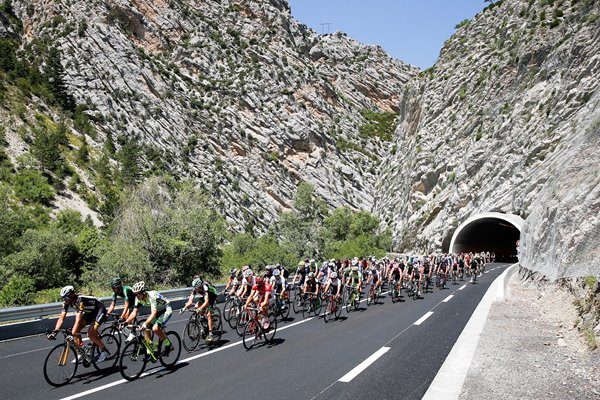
x: 449, y: 380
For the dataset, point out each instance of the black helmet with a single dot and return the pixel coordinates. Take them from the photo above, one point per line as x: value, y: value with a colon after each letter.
x: 115, y: 282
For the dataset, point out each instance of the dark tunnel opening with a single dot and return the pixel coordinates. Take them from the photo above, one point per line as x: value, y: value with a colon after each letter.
x: 489, y: 234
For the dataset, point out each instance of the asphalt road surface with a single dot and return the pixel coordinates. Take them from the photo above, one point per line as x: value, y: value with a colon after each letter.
x: 384, y: 351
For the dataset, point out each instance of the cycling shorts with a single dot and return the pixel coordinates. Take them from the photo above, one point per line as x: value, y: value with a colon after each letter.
x: 163, y: 317
x: 98, y: 315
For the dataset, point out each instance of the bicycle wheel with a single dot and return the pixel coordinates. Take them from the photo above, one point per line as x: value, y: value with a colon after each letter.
x: 269, y: 333
x: 348, y: 301
x: 228, y: 306
x: 112, y: 329
x: 394, y: 294
x: 251, y: 334
x: 133, y: 360
x: 113, y: 347
x: 217, y: 327
x: 307, y: 308
x: 192, y: 333
x: 169, y: 357
x: 298, y: 304
x: 60, y: 365
x: 318, y: 306
x: 285, y: 313
x: 328, y: 310
x: 370, y: 296
x: 233, y: 312
x: 242, y: 322
x: 338, y: 309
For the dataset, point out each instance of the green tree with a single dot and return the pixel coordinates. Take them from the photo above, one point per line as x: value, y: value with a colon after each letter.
x: 18, y: 291
x: 54, y: 74
x: 83, y: 154
x: 30, y: 186
x: 46, y: 148
x: 171, y: 229
x: 128, y: 156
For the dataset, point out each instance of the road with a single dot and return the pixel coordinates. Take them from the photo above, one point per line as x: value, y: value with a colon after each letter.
x: 309, y: 359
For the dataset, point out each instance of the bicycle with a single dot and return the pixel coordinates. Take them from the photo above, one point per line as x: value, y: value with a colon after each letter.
x: 281, y: 306
x: 117, y: 328
x: 61, y: 363
x: 396, y: 291
x: 255, y: 330
x: 197, y: 328
x: 139, y: 351
x: 332, y: 307
x: 234, y: 311
x: 298, y: 303
x: 351, y: 300
x: 374, y: 293
x: 312, y: 304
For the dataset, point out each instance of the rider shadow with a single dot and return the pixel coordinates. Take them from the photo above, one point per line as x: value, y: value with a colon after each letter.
x: 94, y: 376
x: 341, y: 318
x: 275, y: 342
x: 164, y: 372
x: 215, y: 345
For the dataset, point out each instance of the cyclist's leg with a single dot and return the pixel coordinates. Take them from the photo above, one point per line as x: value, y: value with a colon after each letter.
x: 94, y: 325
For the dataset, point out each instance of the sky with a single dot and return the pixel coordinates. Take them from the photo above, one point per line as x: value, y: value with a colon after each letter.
x: 410, y: 30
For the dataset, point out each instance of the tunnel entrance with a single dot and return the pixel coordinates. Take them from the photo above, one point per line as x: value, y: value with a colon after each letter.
x: 493, y: 232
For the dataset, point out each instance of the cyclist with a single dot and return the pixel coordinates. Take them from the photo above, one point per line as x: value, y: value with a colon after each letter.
x: 333, y: 286
x: 208, y: 293
x: 262, y: 293
x: 356, y: 280
x: 311, y: 286
x: 395, y: 275
x: 247, y: 284
x: 300, y: 275
x: 374, y: 277
x: 126, y: 293
x: 90, y: 311
x: 474, y: 266
x: 278, y: 285
x: 235, y: 279
x: 160, y: 312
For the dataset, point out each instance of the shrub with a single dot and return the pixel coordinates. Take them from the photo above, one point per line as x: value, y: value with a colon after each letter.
x: 379, y: 124
x: 462, y: 23
x: 30, y: 186
x: 18, y: 291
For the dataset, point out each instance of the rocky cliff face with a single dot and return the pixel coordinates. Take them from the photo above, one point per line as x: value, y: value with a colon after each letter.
x: 236, y: 94
x: 507, y: 120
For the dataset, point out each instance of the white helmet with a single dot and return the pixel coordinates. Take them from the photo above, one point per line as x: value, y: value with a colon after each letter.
x: 333, y: 275
x: 67, y: 291
x: 248, y: 273
x: 139, y: 287
x: 276, y: 272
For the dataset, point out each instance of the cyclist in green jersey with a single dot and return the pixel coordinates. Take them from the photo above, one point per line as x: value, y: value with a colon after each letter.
x: 209, y: 295
x: 160, y: 312
x: 126, y: 293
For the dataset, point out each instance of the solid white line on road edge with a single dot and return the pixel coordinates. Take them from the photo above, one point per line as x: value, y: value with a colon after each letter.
x: 363, y: 365
x: 153, y: 371
x: 447, y: 299
x: 462, y: 287
x: 423, y: 318
x: 450, y: 378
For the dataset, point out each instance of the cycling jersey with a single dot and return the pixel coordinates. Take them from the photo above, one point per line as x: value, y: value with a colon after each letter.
x: 127, y: 294
x: 277, y: 283
x: 311, y: 285
x: 263, y: 290
x: 89, y: 307
x: 204, y: 289
x: 156, y: 301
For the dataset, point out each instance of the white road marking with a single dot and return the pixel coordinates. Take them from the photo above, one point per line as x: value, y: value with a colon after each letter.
x: 447, y: 299
x: 423, y: 318
x: 462, y: 287
x: 486, y: 272
x: 363, y: 365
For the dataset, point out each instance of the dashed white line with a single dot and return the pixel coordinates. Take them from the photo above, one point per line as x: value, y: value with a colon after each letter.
x: 423, y: 318
x: 447, y: 299
x: 462, y: 287
x: 363, y: 365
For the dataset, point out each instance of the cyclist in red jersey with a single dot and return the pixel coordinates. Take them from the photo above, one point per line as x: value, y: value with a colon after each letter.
x: 262, y: 294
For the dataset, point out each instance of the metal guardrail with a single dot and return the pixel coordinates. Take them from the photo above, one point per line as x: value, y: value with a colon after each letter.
x: 53, y: 309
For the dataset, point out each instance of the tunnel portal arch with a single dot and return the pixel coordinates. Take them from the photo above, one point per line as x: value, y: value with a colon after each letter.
x: 490, y: 231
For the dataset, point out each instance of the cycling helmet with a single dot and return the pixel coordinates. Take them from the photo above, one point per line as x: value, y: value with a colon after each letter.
x: 269, y: 267
x: 333, y: 275
x: 311, y: 274
x: 276, y: 272
x: 244, y: 268
x: 354, y: 269
x: 139, y: 287
x: 259, y: 281
x: 115, y: 282
x: 197, y: 282
x: 248, y: 273
x: 233, y: 271
x: 354, y: 263
x: 67, y: 291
